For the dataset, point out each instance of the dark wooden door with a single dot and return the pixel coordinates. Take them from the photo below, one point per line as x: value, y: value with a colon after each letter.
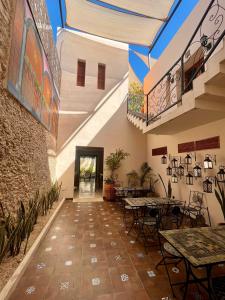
x: 97, y: 152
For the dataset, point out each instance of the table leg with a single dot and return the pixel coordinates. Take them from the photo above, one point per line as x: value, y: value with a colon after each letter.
x: 188, y: 272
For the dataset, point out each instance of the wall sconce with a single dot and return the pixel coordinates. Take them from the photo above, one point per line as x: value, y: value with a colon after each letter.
x: 221, y: 174
x: 174, y: 178
x: 169, y: 171
x: 208, y: 162
x: 189, y: 179
x: 207, y: 185
x: 163, y: 160
x: 174, y: 163
x: 197, y: 171
x: 180, y: 171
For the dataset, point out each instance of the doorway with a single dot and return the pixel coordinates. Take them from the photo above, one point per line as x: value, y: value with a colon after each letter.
x: 88, y: 179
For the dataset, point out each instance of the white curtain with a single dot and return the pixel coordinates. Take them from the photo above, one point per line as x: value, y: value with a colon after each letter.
x: 152, y: 8
x: 108, y: 23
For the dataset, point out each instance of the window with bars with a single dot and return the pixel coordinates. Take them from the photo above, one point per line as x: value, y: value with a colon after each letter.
x: 101, y: 76
x: 81, y: 66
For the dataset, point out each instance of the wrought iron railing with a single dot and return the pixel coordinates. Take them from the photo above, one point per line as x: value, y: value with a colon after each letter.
x: 167, y: 93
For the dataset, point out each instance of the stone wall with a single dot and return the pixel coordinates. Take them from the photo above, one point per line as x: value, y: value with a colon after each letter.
x: 24, y: 143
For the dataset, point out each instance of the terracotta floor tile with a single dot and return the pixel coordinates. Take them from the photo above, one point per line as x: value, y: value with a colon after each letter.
x: 87, y: 255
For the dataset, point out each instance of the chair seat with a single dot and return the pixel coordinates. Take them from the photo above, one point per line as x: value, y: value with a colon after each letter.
x: 148, y: 221
x: 130, y: 207
x: 171, y: 250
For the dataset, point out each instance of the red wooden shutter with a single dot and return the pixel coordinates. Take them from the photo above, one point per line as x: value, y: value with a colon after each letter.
x: 101, y: 76
x: 81, y: 65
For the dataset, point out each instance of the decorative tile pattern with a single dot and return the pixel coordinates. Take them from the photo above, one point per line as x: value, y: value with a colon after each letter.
x: 68, y: 263
x: 41, y: 266
x: 151, y: 274
x: 124, y: 277
x: 94, y: 260
x: 96, y: 281
x: 30, y: 290
x: 64, y: 285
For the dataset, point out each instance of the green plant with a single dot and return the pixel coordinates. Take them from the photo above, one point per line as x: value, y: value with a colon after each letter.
x: 220, y: 196
x: 145, y: 171
x: 113, y: 162
x: 168, y: 191
x: 135, y: 97
x: 14, y: 230
x: 133, y: 178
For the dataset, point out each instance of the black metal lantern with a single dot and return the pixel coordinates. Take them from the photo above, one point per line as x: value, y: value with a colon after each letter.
x: 169, y: 171
x: 164, y: 160
x: 221, y: 174
x: 174, y: 178
x: 174, y: 163
x: 180, y: 170
x: 208, y: 163
x: 189, y: 179
x: 207, y: 186
x: 197, y: 171
x: 188, y: 159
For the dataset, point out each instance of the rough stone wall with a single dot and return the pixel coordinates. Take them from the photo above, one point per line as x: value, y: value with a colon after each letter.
x: 24, y: 143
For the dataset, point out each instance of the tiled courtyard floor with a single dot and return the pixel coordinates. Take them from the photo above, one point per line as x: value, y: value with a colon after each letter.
x: 87, y: 255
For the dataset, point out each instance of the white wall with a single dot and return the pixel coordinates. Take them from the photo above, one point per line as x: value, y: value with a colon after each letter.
x: 177, y: 45
x: 181, y: 190
x: 103, y: 121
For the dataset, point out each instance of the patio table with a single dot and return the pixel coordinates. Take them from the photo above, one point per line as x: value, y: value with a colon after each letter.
x: 145, y: 201
x: 200, y: 247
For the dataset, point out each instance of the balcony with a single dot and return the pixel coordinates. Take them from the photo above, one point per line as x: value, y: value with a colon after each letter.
x: 192, y: 91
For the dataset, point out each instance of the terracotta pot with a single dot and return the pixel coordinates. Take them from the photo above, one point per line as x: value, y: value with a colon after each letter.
x: 109, y: 193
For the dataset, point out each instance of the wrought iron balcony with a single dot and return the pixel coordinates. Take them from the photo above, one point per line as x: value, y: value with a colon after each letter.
x: 178, y: 80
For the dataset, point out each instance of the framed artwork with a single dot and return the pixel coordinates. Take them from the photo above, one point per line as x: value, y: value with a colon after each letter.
x: 29, y: 76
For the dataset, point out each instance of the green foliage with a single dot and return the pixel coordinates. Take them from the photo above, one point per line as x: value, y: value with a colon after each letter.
x: 220, y: 196
x: 113, y: 161
x: 168, y: 191
x: 133, y: 178
x: 135, y: 97
x: 145, y: 171
x: 15, y: 230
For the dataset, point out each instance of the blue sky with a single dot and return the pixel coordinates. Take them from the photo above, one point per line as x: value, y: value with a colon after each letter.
x: 137, y: 64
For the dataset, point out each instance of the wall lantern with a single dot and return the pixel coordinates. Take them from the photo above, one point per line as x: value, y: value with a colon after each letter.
x: 174, y: 163
x: 208, y: 163
x: 207, y: 186
x: 174, y: 178
x: 188, y: 159
x: 180, y: 170
x: 163, y: 160
x: 169, y: 171
x: 197, y: 171
x: 189, y: 179
x: 221, y: 174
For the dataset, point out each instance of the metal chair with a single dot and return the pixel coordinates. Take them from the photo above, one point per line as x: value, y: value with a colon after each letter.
x: 148, y: 225
x: 196, y: 209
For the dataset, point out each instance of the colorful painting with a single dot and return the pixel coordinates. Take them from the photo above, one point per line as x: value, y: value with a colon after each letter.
x: 29, y: 76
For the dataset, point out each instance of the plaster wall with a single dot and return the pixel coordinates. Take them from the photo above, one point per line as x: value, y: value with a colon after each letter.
x: 177, y: 45
x: 92, y: 117
x: 181, y: 190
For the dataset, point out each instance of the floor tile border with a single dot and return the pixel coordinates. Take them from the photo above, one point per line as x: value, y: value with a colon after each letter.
x: 12, y: 282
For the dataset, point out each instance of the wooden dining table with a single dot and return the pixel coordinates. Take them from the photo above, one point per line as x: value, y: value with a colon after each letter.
x: 200, y: 247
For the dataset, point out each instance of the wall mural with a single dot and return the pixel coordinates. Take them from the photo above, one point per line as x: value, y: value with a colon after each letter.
x: 29, y: 76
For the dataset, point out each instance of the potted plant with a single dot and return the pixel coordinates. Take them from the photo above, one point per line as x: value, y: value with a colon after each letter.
x: 220, y: 196
x: 113, y: 162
